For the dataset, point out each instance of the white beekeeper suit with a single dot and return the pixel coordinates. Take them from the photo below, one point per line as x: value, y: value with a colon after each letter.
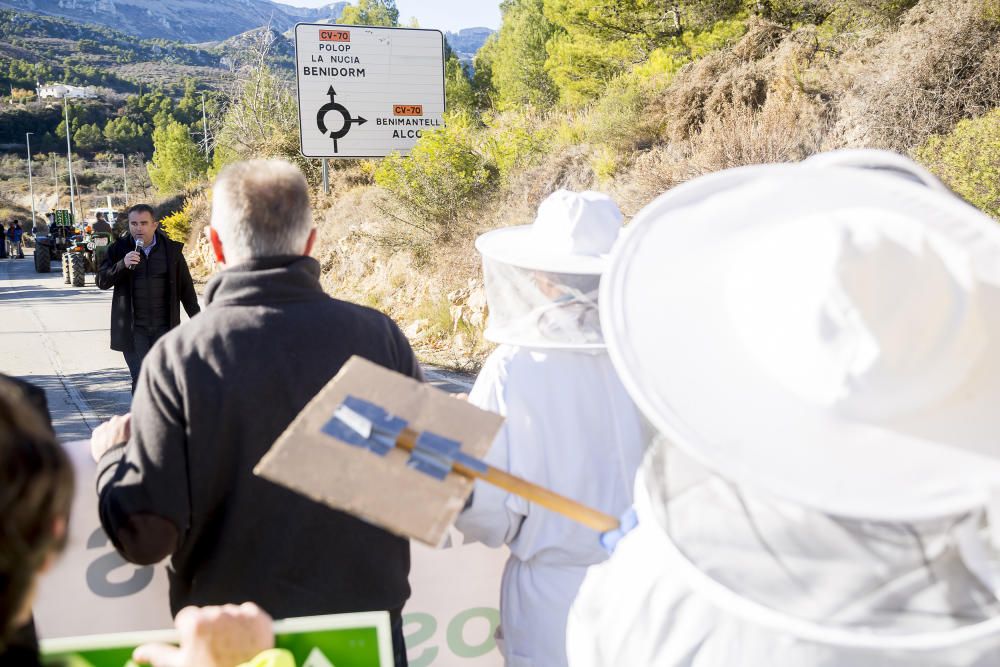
x: 570, y: 426
x: 818, y: 346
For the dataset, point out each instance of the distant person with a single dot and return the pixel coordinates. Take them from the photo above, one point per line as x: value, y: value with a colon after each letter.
x: 570, y: 424
x: 149, y: 287
x: 121, y: 224
x: 3, y: 241
x: 19, y: 237
x: 102, y: 226
x: 14, y: 236
x: 176, y: 478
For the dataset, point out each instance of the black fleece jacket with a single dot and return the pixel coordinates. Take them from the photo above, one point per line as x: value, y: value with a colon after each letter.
x: 114, y: 273
x: 212, y: 398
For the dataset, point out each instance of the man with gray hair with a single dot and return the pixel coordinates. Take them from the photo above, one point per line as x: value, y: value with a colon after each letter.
x: 176, y: 478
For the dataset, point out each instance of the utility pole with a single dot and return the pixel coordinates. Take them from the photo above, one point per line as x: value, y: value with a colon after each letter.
x: 204, y: 123
x: 125, y: 179
x: 31, y: 185
x: 69, y: 157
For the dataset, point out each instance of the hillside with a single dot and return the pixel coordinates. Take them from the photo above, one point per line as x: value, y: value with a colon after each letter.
x: 561, y: 102
x: 34, y: 48
x: 562, y: 96
x: 180, y: 20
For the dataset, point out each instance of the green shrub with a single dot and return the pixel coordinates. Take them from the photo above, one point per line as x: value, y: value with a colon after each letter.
x: 604, y: 162
x: 572, y: 129
x: 458, y: 88
x: 514, y: 142
x: 624, y: 117
x: 445, y: 173
x: 177, y: 226
x: 581, y: 65
x: 968, y: 160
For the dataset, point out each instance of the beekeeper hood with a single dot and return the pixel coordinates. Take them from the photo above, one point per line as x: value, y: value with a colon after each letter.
x: 542, y: 279
x: 823, y: 341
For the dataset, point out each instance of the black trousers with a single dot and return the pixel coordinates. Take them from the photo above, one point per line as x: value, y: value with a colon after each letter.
x: 142, y: 341
x: 398, y: 642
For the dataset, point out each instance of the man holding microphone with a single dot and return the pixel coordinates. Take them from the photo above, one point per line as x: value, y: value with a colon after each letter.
x: 151, y: 280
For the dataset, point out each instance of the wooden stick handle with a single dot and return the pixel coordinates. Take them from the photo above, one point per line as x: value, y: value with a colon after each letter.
x: 569, y: 508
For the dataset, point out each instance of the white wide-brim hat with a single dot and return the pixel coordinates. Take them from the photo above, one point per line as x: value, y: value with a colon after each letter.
x: 823, y: 332
x: 573, y: 232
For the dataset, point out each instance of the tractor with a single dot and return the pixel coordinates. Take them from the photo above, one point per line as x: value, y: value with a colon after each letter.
x: 53, y: 244
x: 84, y: 255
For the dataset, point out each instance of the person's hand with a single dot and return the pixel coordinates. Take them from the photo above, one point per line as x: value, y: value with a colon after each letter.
x: 115, y: 431
x: 132, y: 258
x: 213, y: 637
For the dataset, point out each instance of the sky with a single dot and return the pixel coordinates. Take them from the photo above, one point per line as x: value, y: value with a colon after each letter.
x: 441, y: 14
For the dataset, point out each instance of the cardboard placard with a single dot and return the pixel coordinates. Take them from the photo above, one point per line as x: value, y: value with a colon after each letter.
x: 382, y: 490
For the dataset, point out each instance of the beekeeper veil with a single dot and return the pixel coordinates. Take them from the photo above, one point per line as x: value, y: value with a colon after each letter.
x: 818, y: 345
x: 542, y: 280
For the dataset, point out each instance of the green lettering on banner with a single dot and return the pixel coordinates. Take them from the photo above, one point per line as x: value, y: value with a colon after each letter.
x: 456, y: 632
x: 428, y: 626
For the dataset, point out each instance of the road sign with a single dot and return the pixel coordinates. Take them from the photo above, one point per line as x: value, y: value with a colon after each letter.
x: 367, y: 92
x: 63, y: 218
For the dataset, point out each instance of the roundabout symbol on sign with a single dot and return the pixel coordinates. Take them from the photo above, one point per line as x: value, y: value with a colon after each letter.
x: 333, y: 105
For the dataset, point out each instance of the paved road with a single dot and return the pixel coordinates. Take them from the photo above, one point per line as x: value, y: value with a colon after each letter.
x: 56, y: 336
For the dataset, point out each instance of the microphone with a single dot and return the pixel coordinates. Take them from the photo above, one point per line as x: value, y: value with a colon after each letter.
x: 138, y: 248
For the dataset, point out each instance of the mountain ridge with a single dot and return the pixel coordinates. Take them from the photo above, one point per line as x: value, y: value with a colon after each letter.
x: 188, y: 21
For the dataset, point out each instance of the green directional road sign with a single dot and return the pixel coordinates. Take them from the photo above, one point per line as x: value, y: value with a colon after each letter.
x: 62, y: 218
x: 338, y: 640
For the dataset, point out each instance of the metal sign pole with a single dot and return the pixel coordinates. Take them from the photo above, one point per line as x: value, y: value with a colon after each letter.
x: 31, y: 186
x: 125, y: 179
x: 69, y: 157
x: 204, y: 123
x: 326, y: 177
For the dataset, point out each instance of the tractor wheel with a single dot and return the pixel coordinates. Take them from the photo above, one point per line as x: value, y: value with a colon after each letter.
x: 43, y: 259
x: 65, y: 267
x: 77, y: 269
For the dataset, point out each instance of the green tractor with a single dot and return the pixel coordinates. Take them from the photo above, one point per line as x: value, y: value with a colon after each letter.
x: 84, y: 255
x: 52, y: 244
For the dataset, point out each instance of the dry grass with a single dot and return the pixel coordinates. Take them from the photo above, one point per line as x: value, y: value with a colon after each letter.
x: 941, y: 66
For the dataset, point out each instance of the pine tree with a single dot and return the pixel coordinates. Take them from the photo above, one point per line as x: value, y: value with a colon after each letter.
x: 177, y: 160
x: 458, y: 88
x: 371, y: 12
x: 519, y: 55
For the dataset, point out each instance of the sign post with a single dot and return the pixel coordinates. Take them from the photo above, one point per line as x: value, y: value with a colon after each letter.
x: 366, y: 91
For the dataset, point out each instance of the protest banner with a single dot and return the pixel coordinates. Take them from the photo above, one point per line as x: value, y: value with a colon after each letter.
x: 449, y: 620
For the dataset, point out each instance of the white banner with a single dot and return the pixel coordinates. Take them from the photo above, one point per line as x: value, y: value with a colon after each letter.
x: 449, y: 620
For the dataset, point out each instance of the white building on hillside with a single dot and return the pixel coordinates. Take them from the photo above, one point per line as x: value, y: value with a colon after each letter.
x: 60, y: 90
